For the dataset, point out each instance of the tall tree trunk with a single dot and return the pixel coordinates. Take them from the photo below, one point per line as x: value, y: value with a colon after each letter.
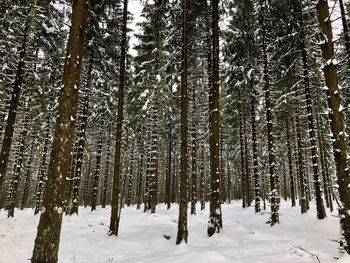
x: 15, y: 95
x: 246, y: 160
x: 106, y: 177
x: 129, y: 176
x: 241, y: 143
x: 48, y: 236
x: 321, y: 213
x: 290, y: 163
x: 194, y: 155
x: 270, y: 140
x: 302, y: 197
x: 114, y: 222
x: 182, y: 232
x: 27, y: 176
x: 215, y: 217
x: 253, y: 99
x: 168, y: 171
x: 97, y: 172
x: 42, y: 169
x: 73, y: 204
x: 18, y: 165
x: 336, y: 115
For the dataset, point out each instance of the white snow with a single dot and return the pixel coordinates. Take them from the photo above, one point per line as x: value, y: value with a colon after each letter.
x: 245, y: 238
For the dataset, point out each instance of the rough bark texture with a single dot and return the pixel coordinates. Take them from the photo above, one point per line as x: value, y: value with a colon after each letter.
x: 49, y: 229
x: 215, y: 217
x: 114, y: 222
x: 337, y: 117
x: 182, y: 231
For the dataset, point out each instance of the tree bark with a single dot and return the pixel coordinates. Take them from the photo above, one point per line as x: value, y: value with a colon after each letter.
x: 290, y: 163
x: 215, y: 217
x: 49, y: 229
x: 270, y: 140
x: 321, y: 213
x: 336, y: 116
x: 114, y: 222
x: 182, y: 232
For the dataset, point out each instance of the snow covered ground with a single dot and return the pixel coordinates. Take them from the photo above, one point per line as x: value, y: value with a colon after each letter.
x: 245, y: 237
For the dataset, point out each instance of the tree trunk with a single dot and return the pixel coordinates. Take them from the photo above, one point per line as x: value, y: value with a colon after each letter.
x: 302, y: 196
x: 290, y: 163
x: 114, y: 222
x: 42, y: 169
x: 270, y: 140
x: 129, y: 176
x: 254, y: 96
x: 15, y: 95
x: 246, y: 159
x: 168, y: 172
x: 321, y: 213
x: 97, y: 172
x: 182, y: 232
x: 194, y: 155
x: 337, y: 117
x: 49, y: 229
x: 241, y: 143
x: 215, y: 217
x: 73, y: 204
x: 18, y: 165
x: 27, y: 177
x: 106, y: 177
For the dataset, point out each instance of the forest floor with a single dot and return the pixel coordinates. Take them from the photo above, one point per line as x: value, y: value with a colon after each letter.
x: 245, y: 238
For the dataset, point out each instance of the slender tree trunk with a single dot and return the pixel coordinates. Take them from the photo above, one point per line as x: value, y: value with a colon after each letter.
x: 246, y: 160
x: 336, y: 115
x: 290, y: 162
x: 48, y: 236
x: 241, y: 142
x: 18, y: 165
x: 27, y: 176
x: 114, y: 222
x: 15, y: 95
x: 97, y: 172
x: 73, y: 203
x: 215, y: 217
x: 168, y: 172
x: 140, y: 178
x: 270, y: 140
x: 129, y: 176
x: 42, y: 169
x: 106, y: 177
x: 321, y: 213
x: 194, y: 155
x: 254, y: 96
x: 182, y: 232
x: 302, y: 198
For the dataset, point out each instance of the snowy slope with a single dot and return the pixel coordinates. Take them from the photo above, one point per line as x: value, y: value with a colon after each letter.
x: 245, y: 238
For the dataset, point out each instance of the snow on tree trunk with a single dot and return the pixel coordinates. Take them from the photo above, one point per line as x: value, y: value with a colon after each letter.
x: 336, y: 116
x: 48, y: 236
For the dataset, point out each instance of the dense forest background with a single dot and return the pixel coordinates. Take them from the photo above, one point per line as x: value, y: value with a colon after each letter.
x: 231, y: 100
